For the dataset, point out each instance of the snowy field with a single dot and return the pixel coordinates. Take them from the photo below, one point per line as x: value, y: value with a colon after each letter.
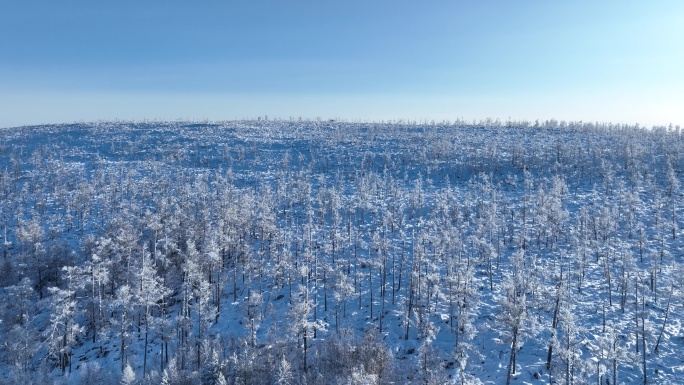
x: 289, y: 252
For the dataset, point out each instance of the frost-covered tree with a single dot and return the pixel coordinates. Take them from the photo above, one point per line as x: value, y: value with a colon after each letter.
x: 343, y: 290
x: 122, y: 306
x: 674, y: 197
x: 31, y: 235
x: 95, y: 276
x: 463, y: 298
x: 197, y: 297
x: 18, y: 324
x: 300, y: 323
x: 64, y: 329
x: 150, y: 294
x: 284, y: 375
x: 514, y: 316
x: 128, y: 376
x: 254, y: 314
x: 211, y: 371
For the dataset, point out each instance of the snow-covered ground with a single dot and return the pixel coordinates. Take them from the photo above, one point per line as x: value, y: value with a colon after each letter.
x: 327, y: 252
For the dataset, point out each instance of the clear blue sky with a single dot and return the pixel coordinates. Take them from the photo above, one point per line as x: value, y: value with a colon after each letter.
x: 65, y: 61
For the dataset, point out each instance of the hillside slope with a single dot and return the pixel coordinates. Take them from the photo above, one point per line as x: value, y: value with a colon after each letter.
x: 326, y: 252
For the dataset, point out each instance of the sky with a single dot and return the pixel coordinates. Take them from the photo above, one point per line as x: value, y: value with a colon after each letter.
x: 358, y: 60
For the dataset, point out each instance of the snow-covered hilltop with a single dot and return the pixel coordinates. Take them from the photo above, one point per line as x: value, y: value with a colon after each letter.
x: 282, y: 252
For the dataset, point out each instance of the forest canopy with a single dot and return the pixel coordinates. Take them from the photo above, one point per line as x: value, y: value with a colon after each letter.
x: 287, y: 252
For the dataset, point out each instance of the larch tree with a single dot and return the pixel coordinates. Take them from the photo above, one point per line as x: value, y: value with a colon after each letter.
x: 300, y: 324
x: 63, y: 330
x: 211, y: 371
x: 122, y: 305
x: 128, y: 376
x: 513, y: 314
x: 151, y: 292
x: 18, y: 322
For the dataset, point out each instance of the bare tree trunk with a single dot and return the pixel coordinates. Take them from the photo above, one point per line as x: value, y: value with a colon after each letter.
x: 554, y: 324
x: 370, y: 288
x: 643, y: 338
x: 667, y: 313
x: 145, y: 352
x: 511, y: 362
x: 304, y: 350
x: 408, y: 309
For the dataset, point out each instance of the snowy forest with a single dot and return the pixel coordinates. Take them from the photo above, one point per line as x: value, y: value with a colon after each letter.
x: 325, y: 252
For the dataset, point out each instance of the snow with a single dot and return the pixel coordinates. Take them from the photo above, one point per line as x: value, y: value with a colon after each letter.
x: 504, y: 219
